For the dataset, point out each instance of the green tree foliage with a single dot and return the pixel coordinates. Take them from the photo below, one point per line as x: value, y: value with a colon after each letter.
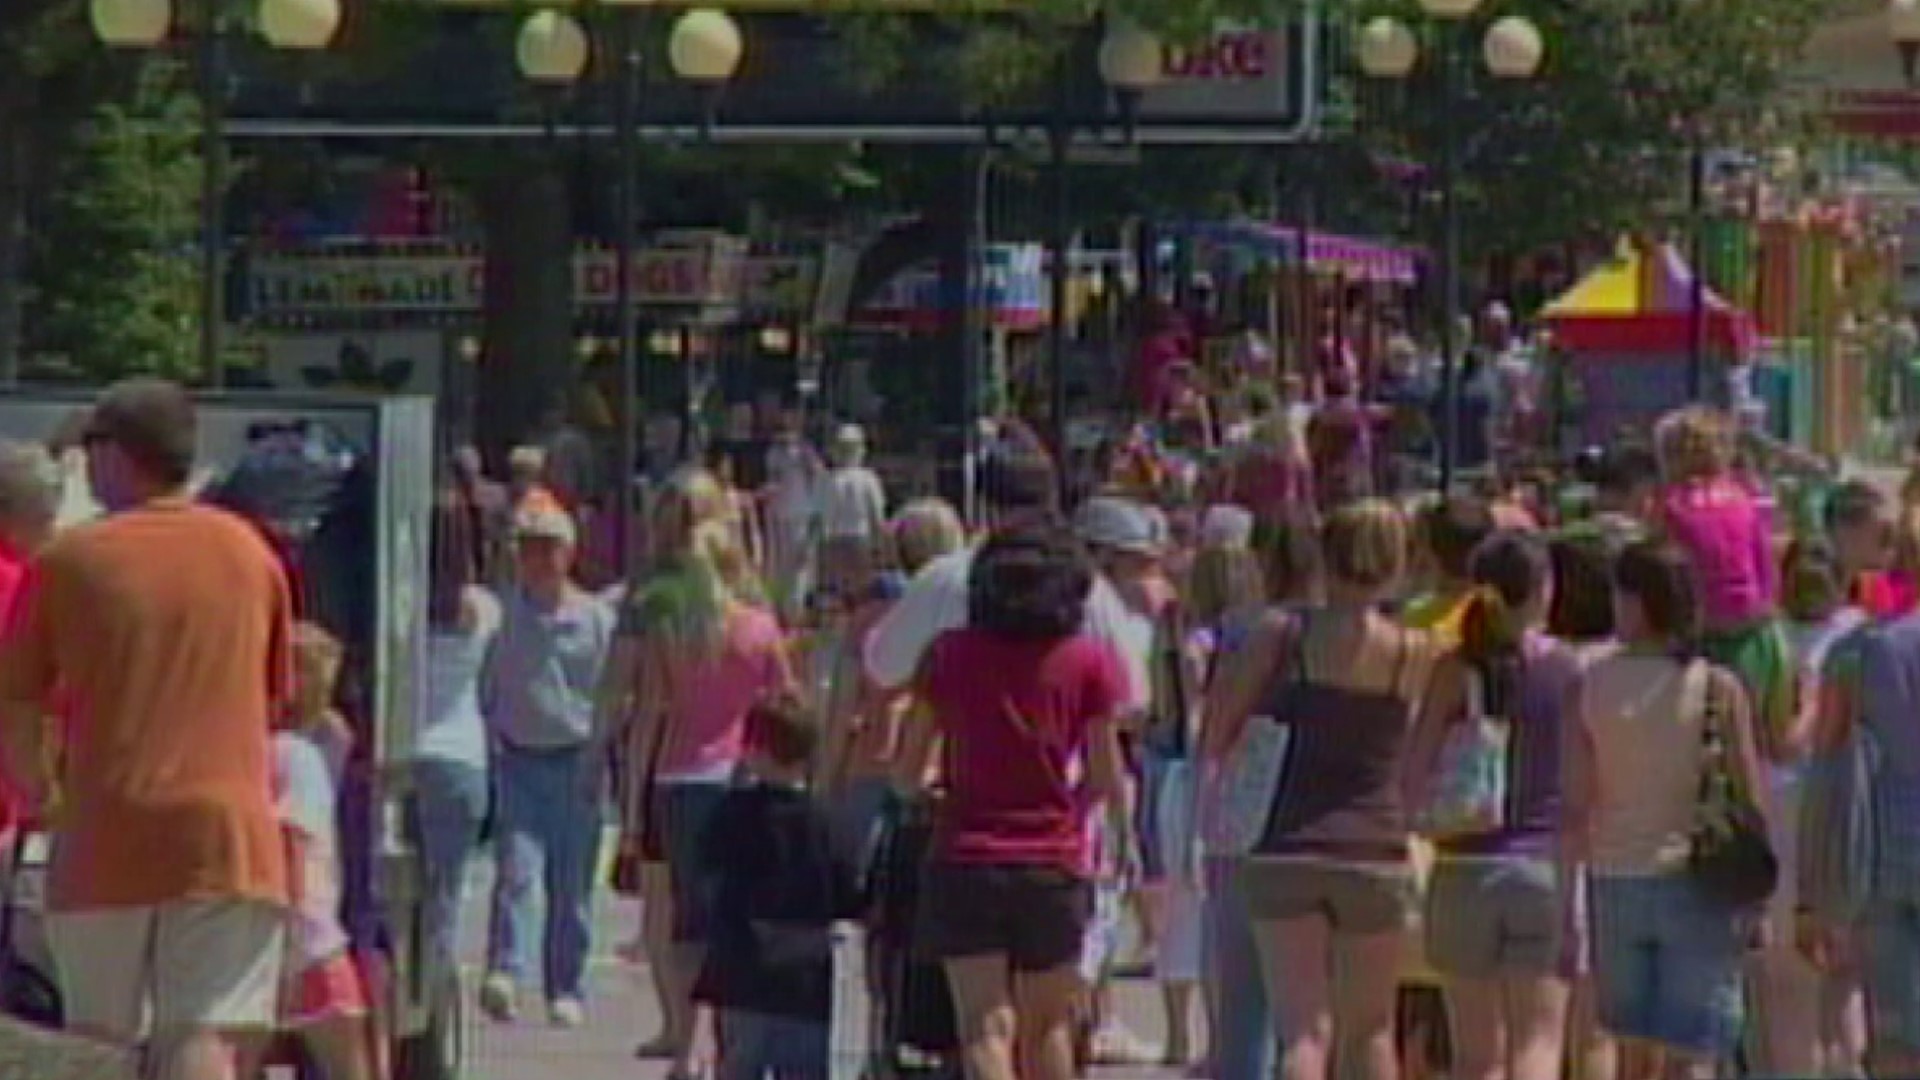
x: 1598, y: 142
x: 117, y: 286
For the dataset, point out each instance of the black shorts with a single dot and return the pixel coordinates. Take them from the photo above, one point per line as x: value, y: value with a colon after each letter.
x: 1034, y: 916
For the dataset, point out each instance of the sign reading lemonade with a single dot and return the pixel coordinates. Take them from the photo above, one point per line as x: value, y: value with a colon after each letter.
x: 707, y: 273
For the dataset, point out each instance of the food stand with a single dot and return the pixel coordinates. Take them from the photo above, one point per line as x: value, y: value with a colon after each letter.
x: 1623, y: 345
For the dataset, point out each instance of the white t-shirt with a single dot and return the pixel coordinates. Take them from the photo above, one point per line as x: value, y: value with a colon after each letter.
x: 307, y: 778
x: 451, y: 726
x: 853, y: 504
x: 936, y: 601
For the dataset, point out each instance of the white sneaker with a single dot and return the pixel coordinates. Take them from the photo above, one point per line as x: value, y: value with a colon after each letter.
x: 567, y: 1013
x: 1115, y: 1045
x: 497, y: 999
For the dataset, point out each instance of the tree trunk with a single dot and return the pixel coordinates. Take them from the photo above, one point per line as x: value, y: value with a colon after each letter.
x: 527, y: 367
x: 16, y: 163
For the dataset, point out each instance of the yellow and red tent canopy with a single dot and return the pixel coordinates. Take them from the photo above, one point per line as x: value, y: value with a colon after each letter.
x: 1641, y: 301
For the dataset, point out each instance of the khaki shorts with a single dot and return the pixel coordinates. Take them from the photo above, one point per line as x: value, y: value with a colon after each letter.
x: 127, y: 974
x: 1492, y: 917
x: 1353, y: 899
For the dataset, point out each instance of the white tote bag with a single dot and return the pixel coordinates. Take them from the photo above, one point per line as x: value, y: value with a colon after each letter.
x: 1237, y: 794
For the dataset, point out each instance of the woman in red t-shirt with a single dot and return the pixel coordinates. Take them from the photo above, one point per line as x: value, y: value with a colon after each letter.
x: 1025, y: 706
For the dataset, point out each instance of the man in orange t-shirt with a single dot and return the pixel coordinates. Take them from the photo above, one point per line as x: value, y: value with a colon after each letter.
x: 165, y: 628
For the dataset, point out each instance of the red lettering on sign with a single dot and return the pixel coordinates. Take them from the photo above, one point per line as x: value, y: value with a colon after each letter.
x: 599, y: 278
x: 1241, y: 55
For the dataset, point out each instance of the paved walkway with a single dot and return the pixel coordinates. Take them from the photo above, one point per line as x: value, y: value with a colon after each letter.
x: 622, y: 1013
x: 30, y: 1053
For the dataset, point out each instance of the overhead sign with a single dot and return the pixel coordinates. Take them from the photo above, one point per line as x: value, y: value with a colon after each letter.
x: 1239, y: 72
x: 352, y: 284
x: 321, y: 286
x: 801, y: 79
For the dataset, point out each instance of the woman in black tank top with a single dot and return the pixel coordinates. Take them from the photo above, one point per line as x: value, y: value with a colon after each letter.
x: 1329, y: 882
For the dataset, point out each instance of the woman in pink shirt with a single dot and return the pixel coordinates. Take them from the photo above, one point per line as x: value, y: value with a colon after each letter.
x: 705, y: 652
x: 1725, y: 527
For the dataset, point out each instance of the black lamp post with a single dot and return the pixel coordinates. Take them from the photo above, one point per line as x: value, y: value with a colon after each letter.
x: 1388, y: 49
x: 1131, y: 62
x: 553, y: 49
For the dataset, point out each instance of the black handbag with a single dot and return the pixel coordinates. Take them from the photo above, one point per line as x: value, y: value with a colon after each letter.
x: 1730, y: 857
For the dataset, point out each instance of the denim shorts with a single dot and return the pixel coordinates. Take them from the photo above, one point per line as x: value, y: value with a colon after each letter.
x: 1893, y: 972
x: 685, y: 810
x: 1492, y: 917
x: 1667, y: 964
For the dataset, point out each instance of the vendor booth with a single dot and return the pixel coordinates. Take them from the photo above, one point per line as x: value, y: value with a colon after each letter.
x: 1340, y: 293
x: 1623, y: 344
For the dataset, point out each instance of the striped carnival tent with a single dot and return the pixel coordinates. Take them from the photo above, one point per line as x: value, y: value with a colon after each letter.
x: 1624, y: 337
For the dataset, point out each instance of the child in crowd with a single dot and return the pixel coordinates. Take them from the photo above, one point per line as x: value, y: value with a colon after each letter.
x: 325, y: 1001
x: 780, y: 880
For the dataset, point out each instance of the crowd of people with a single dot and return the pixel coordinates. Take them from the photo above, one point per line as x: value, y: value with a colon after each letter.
x: 1390, y: 787
x: 1471, y: 784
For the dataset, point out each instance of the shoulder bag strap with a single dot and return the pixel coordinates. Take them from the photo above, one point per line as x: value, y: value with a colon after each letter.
x: 1177, y: 701
x: 1699, y: 697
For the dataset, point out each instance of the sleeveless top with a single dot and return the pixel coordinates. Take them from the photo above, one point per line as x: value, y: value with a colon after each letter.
x: 1548, y: 673
x: 1644, y: 713
x: 1889, y: 665
x: 1339, y: 793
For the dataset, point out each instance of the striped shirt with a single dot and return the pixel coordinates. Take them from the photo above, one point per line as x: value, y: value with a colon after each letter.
x: 1890, y: 701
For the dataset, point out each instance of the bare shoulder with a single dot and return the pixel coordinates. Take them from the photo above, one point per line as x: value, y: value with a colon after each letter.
x: 1425, y: 649
x: 1725, y: 686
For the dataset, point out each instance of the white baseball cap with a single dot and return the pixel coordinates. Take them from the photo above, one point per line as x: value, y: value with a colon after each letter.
x: 545, y: 522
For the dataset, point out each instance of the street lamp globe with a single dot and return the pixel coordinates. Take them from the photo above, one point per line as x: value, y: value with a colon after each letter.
x: 552, y: 48
x: 705, y: 47
x: 1514, y: 48
x: 1131, y: 60
x: 1903, y: 21
x: 1386, y: 48
x: 1449, y: 9
x: 299, y: 24
x: 130, y: 24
